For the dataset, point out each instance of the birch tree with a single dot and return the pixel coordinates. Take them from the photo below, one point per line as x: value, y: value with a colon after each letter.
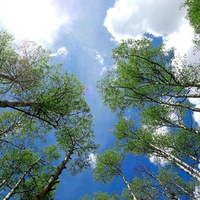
x: 76, y: 140
x: 163, y: 184
x: 39, y: 99
x: 24, y: 172
x: 151, y: 80
x: 143, y: 141
x: 148, y: 75
x: 109, y: 165
x: 31, y: 85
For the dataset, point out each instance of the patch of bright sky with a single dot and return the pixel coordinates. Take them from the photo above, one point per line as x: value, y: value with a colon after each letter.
x: 32, y: 19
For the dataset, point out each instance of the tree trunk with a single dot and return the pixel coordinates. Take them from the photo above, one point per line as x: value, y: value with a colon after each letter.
x: 54, y: 177
x: 182, y: 126
x: 162, y: 185
x: 127, y: 185
x: 182, y: 165
x: 20, y: 180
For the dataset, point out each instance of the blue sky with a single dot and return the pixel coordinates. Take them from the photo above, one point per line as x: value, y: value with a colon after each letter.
x: 81, y: 35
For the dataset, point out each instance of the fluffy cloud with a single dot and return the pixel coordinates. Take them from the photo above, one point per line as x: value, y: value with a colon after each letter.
x: 197, y: 192
x: 92, y: 160
x: 156, y: 159
x: 60, y: 51
x: 132, y: 18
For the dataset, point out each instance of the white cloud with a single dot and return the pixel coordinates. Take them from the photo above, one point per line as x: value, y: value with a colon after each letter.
x: 197, y: 192
x: 36, y: 20
x: 161, y: 130
x: 60, y: 51
x: 92, y: 159
x: 156, y: 159
x: 99, y: 58
x: 132, y: 18
x: 103, y: 70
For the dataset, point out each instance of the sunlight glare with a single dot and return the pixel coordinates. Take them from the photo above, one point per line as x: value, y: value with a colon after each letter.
x: 31, y: 19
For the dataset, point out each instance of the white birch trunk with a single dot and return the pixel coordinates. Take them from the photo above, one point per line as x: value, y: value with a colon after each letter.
x: 9, y: 195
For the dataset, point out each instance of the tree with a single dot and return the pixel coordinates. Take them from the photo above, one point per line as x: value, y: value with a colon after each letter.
x: 38, y: 99
x: 33, y: 86
x: 148, y: 75
x: 24, y: 172
x: 142, y: 140
x: 163, y: 184
x: 77, y: 142
x: 145, y: 184
x: 193, y: 13
x: 160, y: 87
x: 109, y: 165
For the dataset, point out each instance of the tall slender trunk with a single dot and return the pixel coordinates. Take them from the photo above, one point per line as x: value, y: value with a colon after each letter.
x: 6, y: 179
x: 175, y: 104
x: 162, y: 185
x: 182, y: 165
x: 127, y: 185
x: 20, y: 180
x: 182, y: 126
x: 54, y: 177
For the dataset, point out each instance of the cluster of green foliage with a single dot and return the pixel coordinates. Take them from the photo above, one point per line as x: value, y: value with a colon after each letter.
x: 38, y: 100
x: 193, y: 11
x: 193, y: 15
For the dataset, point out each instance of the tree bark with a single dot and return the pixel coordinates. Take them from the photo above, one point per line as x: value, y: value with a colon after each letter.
x: 20, y: 180
x: 127, y: 185
x: 13, y: 104
x: 182, y: 126
x: 54, y: 178
x: 182, y: 165
x: 162, y: 185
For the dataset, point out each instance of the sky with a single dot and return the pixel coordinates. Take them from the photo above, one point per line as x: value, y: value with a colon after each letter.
x: 81, y: 35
